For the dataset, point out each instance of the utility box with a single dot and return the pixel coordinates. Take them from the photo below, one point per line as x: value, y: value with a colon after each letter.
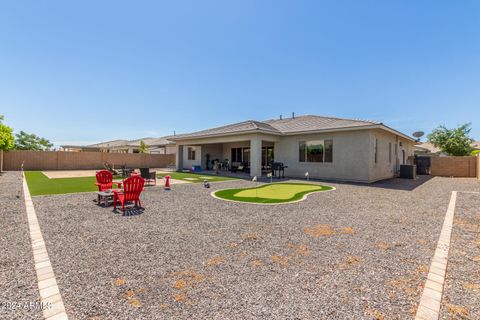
x: 408, y: 171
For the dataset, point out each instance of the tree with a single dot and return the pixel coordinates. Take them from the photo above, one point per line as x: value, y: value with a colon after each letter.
x: 7, y: 141
x: 143, y: 147
x: 26, y: 141
x: 455, y: 142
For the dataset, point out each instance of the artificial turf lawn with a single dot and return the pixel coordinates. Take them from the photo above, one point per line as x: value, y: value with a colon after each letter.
x: 271, y: 193
x: 193, y: 177
x: 39, y: 184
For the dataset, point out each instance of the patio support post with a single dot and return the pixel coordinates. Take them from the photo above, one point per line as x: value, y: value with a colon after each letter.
x: 179, y: 157
x: 256, y: 157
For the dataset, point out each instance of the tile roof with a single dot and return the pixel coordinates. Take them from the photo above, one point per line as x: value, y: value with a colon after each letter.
x: 313, y: 123
x: 428, y: 147
x: 109, y: 144
x: 132, y: 143
x: 151, y: 141
x: 281, y: 126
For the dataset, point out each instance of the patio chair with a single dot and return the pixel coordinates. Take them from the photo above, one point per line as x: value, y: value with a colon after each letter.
x: 105, y: 180
x: 148, y: 176
x: 132, y: 188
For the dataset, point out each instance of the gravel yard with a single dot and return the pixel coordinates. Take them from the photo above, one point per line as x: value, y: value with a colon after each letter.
x: 359, y: 252
x: 461, y: 299
x: 18, y: 280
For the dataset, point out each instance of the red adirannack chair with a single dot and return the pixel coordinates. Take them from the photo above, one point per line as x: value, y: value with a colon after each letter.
x: 132, y: 188
x: 105, y: 180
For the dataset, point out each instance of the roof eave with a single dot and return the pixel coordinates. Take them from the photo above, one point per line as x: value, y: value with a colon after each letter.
x: 227, y: 134
x: 364, y: 127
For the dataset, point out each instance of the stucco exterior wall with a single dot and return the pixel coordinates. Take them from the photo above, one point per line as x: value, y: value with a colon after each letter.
x: 353, y: 153
x: 215, y: 152
x: 350, y: 156
x: 188, y: 164
x: 171, y: 149
x: 384, y: 168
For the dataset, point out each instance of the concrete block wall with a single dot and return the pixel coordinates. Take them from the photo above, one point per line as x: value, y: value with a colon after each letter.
x: 61, y: 160
x: 455, y: 166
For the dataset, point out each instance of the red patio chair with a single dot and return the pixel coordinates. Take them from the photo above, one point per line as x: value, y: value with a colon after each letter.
x: 105, y: 180
x: 132, y: 188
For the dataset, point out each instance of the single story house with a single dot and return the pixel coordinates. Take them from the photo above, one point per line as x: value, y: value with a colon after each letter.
x: 325, y: 147
x: 154, y: 145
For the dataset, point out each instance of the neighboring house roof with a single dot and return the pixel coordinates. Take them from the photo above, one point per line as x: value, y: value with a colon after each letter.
x: 427, y: 147
x: 153, y: 142
x: 295, y: 125
x: 109, y: 144
x: 430, y: 148
x: 162, y: 141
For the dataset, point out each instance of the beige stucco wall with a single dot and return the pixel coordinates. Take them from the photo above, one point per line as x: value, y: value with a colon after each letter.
x: 384, y: 169
x: 215, y: 152
x: 171, y: 149
x: 353, y: 153
x: 350, y: 156
x: 187, y: 164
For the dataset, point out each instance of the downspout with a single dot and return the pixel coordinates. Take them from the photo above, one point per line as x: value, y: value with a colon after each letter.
x: 397, y: 164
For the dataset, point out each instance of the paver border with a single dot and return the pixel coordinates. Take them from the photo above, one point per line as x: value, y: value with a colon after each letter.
x: 430, y: 302
x: 50, y: 297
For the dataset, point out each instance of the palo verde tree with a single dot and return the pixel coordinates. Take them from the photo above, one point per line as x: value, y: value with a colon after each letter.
x: 30, y: 141
x: 455, y: 142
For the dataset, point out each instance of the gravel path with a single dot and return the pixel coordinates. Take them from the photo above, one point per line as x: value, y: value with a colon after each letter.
x: 461, y: 299
x: 18, y: 280
x: 360, y: 252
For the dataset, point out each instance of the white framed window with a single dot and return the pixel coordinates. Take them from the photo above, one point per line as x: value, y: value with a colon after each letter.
x: 316, y: 151
x: 191, y: 153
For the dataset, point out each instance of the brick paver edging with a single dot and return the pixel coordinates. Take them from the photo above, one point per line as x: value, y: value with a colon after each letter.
x: 429, y: 307
x: 50, y: 297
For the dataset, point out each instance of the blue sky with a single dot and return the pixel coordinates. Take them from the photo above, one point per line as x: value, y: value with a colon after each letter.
x: 87, y: 71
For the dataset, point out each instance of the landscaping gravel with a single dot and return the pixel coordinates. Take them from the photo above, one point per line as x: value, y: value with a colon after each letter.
x: 359, y: 252
x: 18, y: 280
x: 461, y: 298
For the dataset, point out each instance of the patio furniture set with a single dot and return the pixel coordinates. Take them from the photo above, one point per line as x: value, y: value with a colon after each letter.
x: 127, y: 191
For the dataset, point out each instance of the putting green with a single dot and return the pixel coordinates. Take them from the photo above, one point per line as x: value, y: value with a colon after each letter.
x: 271, y: 193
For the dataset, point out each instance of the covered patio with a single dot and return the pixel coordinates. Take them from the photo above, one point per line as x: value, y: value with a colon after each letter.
x: 233, y: 154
